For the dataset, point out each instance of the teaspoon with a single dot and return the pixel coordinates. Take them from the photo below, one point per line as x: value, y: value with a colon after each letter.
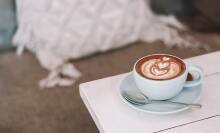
x: 140, y: 99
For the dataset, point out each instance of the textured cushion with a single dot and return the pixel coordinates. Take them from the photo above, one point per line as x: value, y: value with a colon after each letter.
x: 57, y: 31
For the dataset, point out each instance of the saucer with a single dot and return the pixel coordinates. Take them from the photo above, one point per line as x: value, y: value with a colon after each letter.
x: 188, y: 95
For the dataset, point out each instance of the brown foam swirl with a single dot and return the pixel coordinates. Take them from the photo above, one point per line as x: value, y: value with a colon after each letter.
x: 160, y: 68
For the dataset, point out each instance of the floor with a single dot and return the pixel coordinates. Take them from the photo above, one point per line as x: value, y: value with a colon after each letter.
x: 24, y: 108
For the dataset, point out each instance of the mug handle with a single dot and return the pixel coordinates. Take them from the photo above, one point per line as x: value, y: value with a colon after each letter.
x: 196, y: 81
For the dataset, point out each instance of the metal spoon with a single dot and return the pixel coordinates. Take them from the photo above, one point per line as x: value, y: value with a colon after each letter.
x: 140, y: 99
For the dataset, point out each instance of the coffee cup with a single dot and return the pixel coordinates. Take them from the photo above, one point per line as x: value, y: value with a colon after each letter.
x: 163, y: 76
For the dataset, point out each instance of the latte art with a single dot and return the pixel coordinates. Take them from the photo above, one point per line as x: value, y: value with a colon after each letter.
x: 160, y: 67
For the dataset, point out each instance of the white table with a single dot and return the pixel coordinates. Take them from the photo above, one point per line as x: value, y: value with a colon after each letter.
x: 112, y: 115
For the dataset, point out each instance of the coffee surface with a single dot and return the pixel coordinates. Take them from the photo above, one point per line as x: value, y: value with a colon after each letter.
x: 160, y: 67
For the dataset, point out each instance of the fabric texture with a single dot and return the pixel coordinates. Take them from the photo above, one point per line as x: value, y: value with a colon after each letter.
x: 57, y: 31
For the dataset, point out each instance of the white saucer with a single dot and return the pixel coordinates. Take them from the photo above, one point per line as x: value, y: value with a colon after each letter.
x: 188, y: 95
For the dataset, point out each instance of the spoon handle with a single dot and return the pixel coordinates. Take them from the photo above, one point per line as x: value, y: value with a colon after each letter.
x: 196, y: 105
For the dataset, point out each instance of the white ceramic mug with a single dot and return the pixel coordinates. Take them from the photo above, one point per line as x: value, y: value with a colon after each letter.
x: 166, y: 89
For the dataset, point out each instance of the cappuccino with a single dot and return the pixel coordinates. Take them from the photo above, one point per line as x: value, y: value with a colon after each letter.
x: 162, y: 76
x: 160, y: 67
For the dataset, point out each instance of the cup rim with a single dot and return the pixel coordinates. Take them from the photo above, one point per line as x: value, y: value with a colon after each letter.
x: 134, y: 68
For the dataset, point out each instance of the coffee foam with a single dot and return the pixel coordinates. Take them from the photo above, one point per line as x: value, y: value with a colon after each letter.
x: 161, y: 68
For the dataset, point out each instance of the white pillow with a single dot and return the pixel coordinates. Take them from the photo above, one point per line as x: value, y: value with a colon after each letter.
x: 59, y: 30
